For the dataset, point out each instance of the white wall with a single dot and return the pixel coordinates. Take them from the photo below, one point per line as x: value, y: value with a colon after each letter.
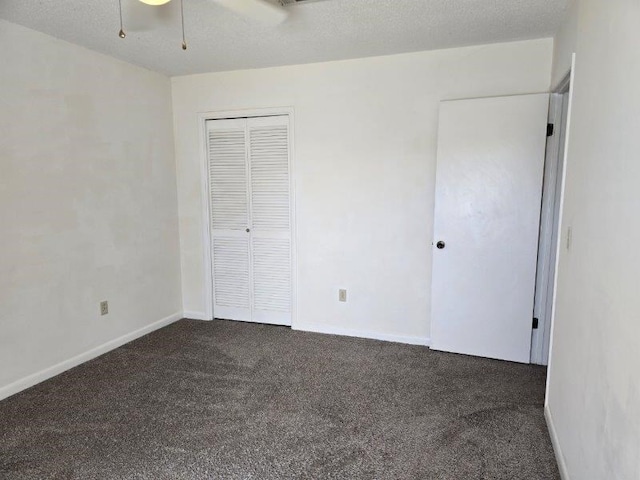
x: 365, y: 150
x: 88, y: 203
x: 594, y: 390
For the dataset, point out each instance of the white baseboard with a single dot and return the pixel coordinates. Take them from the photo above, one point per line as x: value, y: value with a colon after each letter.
x: 47, y: 373
x: 422, y: 341
x: 195, y: 315
x: 562, y: 464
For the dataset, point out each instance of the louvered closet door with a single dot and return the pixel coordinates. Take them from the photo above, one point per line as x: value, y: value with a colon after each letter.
x: 270, y: 241
x: 249, y: 179
x: 229, y: 208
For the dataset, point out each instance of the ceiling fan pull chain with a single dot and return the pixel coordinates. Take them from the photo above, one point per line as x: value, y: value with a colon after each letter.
x: 184, y: 41
x: 121, y: 33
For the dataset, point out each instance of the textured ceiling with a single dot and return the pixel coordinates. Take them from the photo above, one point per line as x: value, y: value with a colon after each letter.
x: 316, y: 31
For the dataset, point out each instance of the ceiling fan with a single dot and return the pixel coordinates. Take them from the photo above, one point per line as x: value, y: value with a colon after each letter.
x: 270, y: 12
x: 260, y: 10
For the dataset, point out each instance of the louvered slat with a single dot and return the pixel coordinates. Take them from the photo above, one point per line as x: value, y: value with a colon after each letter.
x: 231, y: 272
x: 228, y: 179
x: 271, y: 275
x: 269, y: 159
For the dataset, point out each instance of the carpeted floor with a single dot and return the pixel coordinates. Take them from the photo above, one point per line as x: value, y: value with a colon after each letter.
x: 230, y: 400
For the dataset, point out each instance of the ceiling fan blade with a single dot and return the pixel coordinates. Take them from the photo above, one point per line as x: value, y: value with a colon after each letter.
x: 261, y: 10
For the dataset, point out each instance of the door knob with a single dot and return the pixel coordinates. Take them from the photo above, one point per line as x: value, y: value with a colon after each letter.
x: 248, y: 230
x: 440, y: 244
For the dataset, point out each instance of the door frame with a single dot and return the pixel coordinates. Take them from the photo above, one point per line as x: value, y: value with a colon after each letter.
x: 207, y: 260
x: 546, y: 281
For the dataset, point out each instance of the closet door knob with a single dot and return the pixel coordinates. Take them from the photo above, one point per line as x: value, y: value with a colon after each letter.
x: 440, y: 244
x: 248, y: 230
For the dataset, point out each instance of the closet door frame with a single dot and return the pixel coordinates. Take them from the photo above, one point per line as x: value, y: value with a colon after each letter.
x: 207, y: 260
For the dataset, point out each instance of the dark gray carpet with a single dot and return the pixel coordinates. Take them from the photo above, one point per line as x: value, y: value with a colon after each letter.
x: 214, y: 400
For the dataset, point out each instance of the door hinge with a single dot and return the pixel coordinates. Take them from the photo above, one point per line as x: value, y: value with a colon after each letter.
x: 550, y: 129
x: 535, y: 323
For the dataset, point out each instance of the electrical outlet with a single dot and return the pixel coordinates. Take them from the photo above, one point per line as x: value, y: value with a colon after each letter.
x: 342, y: 295
x: 104, y: 308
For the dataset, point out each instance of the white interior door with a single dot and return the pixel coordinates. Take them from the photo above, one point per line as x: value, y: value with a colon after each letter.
x: 269, y: 161
x: 487, y: 213
x: 249, y: 187
x: 230, y: 224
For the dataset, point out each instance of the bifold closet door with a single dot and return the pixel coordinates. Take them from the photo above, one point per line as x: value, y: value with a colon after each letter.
x: 249, y: 187
x: 270, y: 243
x: 229, y: 222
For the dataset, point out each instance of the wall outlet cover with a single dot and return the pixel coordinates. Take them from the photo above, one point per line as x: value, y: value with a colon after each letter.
x: 104, y: 307
x: 342, y: 295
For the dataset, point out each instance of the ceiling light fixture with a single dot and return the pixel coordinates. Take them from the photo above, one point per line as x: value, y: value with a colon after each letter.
x: 155, y: 2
